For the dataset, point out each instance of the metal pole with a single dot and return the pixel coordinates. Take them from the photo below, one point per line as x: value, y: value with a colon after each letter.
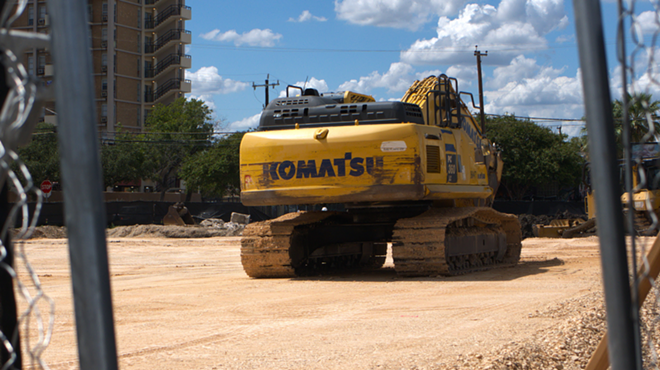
x: 267, y: 77
x: 267, y: 85
x: 8, y: 311
x: 600, y: 126
x: 82, y: 184
x: 481, y: 89
x: 628, y: 180
x: 8, y: 319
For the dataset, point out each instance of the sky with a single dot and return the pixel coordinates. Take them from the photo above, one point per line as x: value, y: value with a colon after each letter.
x: 380, y: 47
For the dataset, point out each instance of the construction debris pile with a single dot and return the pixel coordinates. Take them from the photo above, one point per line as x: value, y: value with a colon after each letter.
x: 210, y: 227
x: 527, y: 222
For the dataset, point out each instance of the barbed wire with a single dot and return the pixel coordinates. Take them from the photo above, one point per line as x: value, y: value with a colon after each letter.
x: 15, y: 130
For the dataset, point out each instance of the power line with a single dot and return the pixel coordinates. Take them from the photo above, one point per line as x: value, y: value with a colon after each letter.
x: 539, y: 118
x: 322, y: 50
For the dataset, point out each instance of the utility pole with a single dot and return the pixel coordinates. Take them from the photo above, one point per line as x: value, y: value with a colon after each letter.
x: 266, y: 85
x: 478, y: 54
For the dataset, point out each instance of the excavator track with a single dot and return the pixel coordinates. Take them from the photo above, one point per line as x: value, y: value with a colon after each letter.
x: 455, y: 241
x: 265, y: 245
x: 643, y: 224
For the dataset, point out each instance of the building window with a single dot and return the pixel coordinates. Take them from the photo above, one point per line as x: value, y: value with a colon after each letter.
x: 104, y: 110
x: 138, y: 68
x: 114, y: 88
x: 41, y: 61
x: 42, y: 12
x: 90, y: 12
x: 104, y: 34
x: 138, y: 91
x: 139, y: 20
x: 104, y: 62
x: 104, y: 12
x: 139, y: 41
x: 114, y: 64
x: 30, y: 15
x: 104, y: 84
x: 31, y: 64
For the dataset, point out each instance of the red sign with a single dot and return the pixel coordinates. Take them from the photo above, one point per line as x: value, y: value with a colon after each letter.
x: 46, y: 186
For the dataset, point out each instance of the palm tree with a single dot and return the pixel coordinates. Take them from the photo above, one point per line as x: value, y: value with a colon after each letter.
x: 643, y: 117
x: 638, y: 106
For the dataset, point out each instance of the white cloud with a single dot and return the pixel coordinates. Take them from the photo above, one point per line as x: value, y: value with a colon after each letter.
x: 312, y: 83
x: 514, y: 24
x: 572, y: 128
x: 646, y: 76
x: 519, y: 68
x: 647, y: 22
x: 398, y: 78
x: 466, y: 76
x: 526, y: 89
x: 245, y: 124
x: 206, y: 82
x: 306, y: 16
x: 410, y: 14
x: 256, y: 37
x: 565, y: 38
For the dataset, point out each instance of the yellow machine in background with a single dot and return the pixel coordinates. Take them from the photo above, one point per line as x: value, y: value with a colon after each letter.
x: 646, y: 201
x: 418, y: 173
x: 572, y: 227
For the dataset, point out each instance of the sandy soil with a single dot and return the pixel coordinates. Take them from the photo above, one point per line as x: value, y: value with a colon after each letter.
x: 186, y: 303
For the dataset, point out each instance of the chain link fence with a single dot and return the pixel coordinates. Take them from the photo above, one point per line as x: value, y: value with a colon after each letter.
x: 637, y: 52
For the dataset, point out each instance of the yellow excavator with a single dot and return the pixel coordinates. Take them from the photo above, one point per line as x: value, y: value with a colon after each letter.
x: 417, y: 173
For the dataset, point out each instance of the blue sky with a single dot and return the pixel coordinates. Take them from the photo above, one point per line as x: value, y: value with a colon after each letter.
x: 380, y: 47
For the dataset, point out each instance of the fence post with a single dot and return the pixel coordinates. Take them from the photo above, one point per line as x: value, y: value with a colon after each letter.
x: 82, y: 184
x: 602, y: 153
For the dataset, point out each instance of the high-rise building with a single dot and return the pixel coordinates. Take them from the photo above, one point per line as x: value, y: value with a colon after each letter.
x: 138, y: 52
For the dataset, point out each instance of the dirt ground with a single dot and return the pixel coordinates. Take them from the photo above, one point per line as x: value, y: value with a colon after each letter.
x: 186, y: 303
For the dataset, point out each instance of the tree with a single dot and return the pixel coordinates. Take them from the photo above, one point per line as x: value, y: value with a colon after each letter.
x: 176, y: 132
x: 125, y: 159
x: 640, y: 110
x: 41, y: 155
x: 533, y: 155
x: 215, y: 170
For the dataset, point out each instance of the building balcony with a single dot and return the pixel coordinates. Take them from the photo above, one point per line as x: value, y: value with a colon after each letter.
x: 178, y: 35
x: 167, y: 63
x: 168, y: 87
x: 172, y: 12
